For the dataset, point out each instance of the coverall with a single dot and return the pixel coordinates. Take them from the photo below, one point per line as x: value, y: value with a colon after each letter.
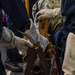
x: 68, y: 10
x: 18, y: 15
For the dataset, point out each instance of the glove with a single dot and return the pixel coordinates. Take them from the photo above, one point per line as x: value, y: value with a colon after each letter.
x: 47, y: 13
x: 69, y: 58
x: 9, y: 40
x: 35, y: 37
x: 21, y: 43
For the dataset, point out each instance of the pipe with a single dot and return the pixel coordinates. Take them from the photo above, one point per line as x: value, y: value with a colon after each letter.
x: 36, y: 69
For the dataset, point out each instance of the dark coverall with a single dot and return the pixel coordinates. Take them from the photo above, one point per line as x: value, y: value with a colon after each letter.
x: 68, y: 10
x: 18, y: 15
x: 11, y: 53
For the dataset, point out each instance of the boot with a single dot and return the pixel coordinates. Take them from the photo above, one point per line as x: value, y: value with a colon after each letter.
x: 13, y: 58
x: 13, y: 66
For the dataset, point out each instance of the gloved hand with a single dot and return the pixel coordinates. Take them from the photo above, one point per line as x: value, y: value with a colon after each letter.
x: 35, y: 37
x: 69, y: 58
x: 9, y: 40
x: 47, y: 13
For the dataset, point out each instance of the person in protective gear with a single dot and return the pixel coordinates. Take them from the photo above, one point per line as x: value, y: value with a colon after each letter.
x: 13, y: 56
x: 68, y: 10
x: 23, y: 24
x: 49, y: 9
x: 18, y: 15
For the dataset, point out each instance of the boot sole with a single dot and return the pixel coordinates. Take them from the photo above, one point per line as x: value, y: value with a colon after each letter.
x: 9, y: 68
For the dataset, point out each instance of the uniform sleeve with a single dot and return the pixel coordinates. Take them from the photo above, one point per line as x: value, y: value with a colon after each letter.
x: 69, y: 8
x: 17, y: 13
